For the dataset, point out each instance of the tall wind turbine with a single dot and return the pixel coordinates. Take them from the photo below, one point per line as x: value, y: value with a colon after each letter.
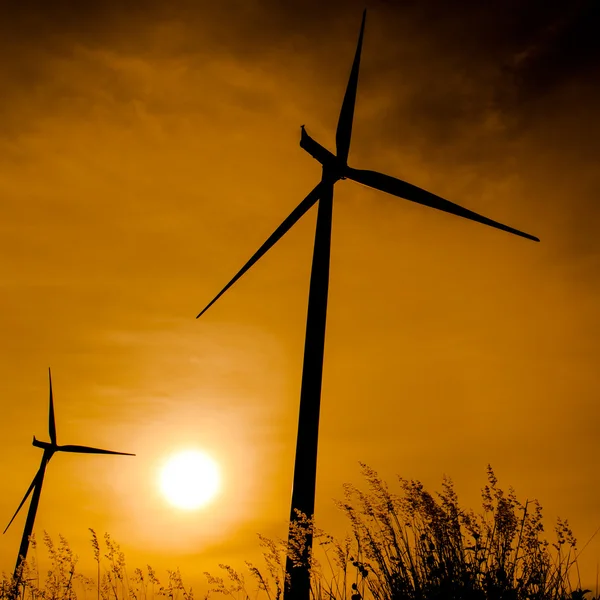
x: 36, y: 485
x: 335, y: 167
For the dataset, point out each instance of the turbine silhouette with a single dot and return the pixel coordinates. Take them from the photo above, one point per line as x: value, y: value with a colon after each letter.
x: 335, y: 167
x: 36, y: 485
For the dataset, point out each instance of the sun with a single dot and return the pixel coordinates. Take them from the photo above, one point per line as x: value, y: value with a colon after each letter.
x: 190, y: 479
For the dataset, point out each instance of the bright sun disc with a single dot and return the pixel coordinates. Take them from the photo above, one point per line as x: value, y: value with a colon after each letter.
x: 190, y: 480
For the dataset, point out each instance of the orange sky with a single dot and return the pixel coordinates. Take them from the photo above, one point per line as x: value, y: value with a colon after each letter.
x: 145, y: 153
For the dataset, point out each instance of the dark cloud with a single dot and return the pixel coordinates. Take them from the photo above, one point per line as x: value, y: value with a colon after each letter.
x: 522, y: 50
x: 468, y: 83
x: 564, y: 50
x: 500, y: 88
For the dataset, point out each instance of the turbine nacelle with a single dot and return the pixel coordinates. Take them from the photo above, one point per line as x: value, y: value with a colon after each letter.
x: 45, y: 445
x: 333, y: 167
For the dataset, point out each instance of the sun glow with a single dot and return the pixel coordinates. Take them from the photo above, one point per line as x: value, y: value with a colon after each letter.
x: 190, y: 480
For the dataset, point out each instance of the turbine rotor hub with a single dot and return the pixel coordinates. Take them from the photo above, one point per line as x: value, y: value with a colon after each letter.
x: 334, y: 170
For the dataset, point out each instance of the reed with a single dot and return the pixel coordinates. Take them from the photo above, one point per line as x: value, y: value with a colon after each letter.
x: 404, y: 545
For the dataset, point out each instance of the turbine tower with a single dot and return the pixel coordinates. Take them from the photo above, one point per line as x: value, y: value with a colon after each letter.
x: 49, y: 449
x: 334, y: 168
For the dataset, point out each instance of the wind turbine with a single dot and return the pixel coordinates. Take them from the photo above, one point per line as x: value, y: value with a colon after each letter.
x: 36, y: 485
x: 335, y: 167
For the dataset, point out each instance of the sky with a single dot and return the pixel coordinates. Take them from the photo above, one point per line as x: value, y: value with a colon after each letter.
x: 147, y: 149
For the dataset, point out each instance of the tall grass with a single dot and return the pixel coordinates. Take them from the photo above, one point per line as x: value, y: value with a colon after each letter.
x: 413, y: 545
x: 409, y: 545
x: 113, y: 581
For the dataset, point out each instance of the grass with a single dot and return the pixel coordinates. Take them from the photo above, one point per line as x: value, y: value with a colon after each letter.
x: 410, y: 545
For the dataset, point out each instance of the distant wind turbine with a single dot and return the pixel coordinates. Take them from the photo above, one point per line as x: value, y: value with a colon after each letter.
x: 335, y: 167
x: 36, y: 485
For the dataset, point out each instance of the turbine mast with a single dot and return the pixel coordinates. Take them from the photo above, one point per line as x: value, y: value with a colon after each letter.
x: 297, y: 586
x: 28, y: 530
x: 305, y: 467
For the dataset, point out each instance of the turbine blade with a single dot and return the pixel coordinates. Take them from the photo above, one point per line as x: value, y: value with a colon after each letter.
x: 344, y: 127
x: 29, y: 490
x: 89, y: 450
x: 287, y: 224
x: 51, y: 421
x: 397, y: 187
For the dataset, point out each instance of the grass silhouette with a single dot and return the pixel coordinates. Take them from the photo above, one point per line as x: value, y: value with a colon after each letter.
x: 407, y: 545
